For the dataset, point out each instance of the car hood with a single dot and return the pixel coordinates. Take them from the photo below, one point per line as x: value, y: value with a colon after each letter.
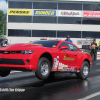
x: 22, y: 46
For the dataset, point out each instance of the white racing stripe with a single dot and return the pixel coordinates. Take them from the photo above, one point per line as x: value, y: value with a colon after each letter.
x: 90, y: 96
x: 15, y: 71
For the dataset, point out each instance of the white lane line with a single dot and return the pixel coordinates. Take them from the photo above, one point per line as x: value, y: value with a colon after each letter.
x: 15, y: 71
x: 90, y: 96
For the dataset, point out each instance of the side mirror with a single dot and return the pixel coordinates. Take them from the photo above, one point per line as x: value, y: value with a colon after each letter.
x: 63, y: 47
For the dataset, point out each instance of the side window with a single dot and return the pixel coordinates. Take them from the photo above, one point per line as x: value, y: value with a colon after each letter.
x: 72, y: 47
x: 65, y: 44
x: 75, y: 49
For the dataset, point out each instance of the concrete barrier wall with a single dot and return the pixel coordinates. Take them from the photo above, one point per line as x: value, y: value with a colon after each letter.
x: 13, y: 40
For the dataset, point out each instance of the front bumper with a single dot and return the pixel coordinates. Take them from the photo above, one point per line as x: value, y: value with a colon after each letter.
x: 18, y: 61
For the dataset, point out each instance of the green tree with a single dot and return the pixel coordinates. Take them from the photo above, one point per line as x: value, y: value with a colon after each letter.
x: 2, y: 23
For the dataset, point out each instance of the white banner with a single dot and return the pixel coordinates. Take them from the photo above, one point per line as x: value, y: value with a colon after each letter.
x: 98, y: 55
x: 89, y: 42
x: 79, y: 42
x: 83, y: 42
x: 70, y: 13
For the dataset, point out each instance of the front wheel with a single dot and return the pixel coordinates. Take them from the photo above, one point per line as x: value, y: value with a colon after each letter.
x: 43, y: 69
x: 4, y: 73
x: 84, y: 71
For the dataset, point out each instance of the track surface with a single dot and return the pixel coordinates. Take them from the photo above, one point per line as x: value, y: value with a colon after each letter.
x: 62, y: 86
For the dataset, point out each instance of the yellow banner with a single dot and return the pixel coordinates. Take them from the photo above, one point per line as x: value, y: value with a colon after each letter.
x: 19, y: 12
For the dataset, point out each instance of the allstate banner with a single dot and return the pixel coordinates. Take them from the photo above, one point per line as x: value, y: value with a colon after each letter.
x: 19, y: 12
x: 70, y: 13
x: 44, y: 12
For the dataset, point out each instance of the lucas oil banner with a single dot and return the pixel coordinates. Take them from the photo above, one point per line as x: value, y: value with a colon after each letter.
x: 44, y: 12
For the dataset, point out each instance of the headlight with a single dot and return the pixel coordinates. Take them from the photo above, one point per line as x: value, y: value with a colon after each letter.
x: 27, y: 52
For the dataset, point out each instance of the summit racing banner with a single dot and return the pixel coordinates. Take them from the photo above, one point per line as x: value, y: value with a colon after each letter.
x: 70, y: 13
x: 91, y: 14
x: 19, y: 12
x: 44, y: 12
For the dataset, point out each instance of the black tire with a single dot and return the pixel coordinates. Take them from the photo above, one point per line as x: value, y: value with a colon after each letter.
x: 51, y: 77
x: 51, y: 74
x: 84, y: 71
x: 4, y: 73
x: 42, y: 76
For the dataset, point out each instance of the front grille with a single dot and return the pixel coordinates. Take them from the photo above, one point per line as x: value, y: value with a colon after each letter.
x: 10, y: 52
x: 12, y: 61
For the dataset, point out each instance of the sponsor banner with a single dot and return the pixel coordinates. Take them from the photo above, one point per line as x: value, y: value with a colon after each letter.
x: 44, y: 12
x: 19, y: 12
x: 89, y: 42
x: 82, y: 42
x: 79, y: 42
x: 70, y: 13
x: 98, y: 55
x: 91, y: 14
x: 85, y: 43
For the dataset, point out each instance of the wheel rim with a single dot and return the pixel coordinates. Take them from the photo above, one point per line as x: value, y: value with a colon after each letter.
x: 85, y: 70
x: 44, y: 68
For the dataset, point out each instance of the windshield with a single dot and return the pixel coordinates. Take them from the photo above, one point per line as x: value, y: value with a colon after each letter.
x: 46, y: 43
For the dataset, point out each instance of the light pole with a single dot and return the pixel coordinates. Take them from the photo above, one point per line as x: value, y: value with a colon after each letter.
x: 3, y: 30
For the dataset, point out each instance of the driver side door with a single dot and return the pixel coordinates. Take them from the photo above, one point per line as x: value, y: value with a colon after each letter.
x: 63, y: 63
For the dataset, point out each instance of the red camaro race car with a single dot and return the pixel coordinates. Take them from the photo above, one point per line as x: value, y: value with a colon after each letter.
x: 45, y: 57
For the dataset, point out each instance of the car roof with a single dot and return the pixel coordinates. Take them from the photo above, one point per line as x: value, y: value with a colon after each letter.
x: 61, y: 41
x: 50, y: 40
x: 55, y: 40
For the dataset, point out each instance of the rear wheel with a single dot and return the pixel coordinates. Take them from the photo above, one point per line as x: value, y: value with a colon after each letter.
x: 84, y: 71
x: 43, y: 69
x: 4, y: 73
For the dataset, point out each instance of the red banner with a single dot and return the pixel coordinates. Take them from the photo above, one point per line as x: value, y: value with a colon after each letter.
x: 91, y: 14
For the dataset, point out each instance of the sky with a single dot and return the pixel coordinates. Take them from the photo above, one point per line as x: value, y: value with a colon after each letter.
x: 3, y: 6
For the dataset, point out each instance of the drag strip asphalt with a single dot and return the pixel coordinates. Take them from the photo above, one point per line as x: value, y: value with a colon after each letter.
x: 62, y: 86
